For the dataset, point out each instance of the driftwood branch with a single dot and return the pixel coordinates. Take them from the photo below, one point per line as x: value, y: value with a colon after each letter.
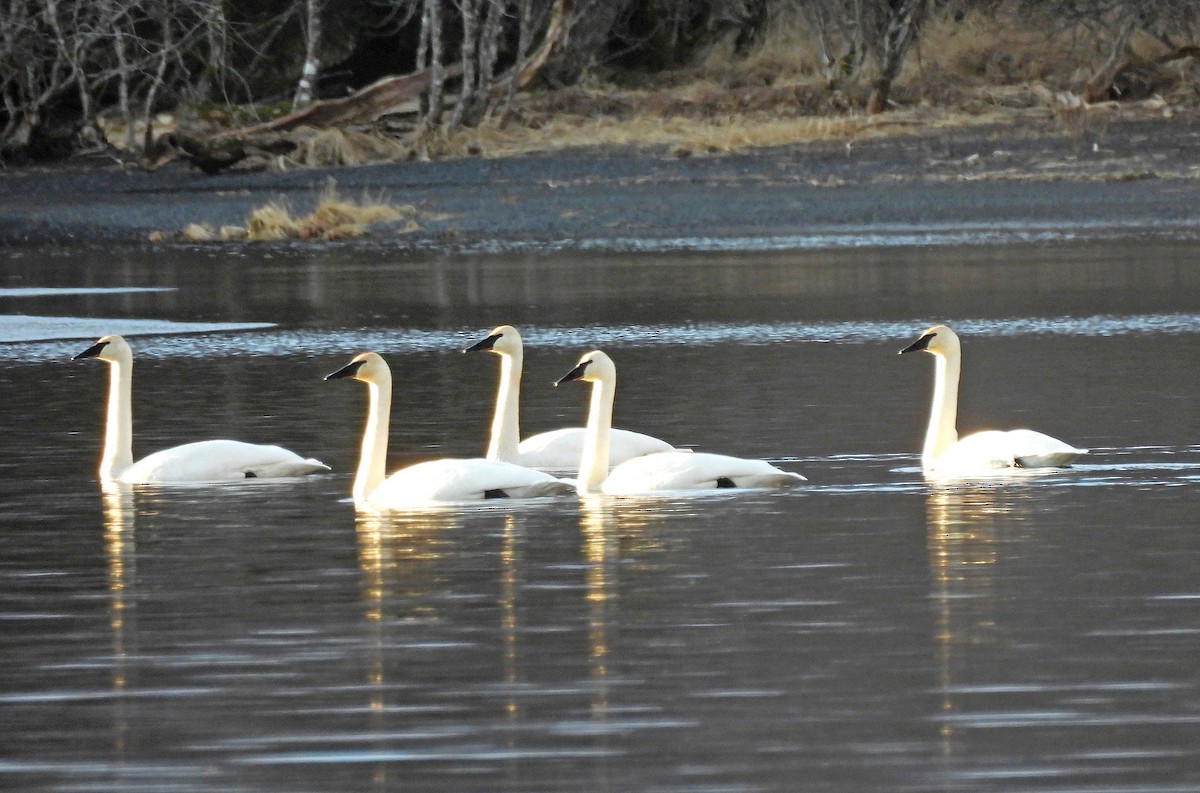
x: 214, y: 153
x: 366, y: 104
x: 389, y: 95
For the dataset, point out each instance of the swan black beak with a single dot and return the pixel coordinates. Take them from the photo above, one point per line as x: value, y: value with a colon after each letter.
x: 349, y: 370
x: 920, y: 344
x: 487, y: 344
x: 91, y: 352
x: 574, y: 374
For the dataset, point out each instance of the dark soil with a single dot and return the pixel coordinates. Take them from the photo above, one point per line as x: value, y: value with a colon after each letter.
x: 1129, y: 172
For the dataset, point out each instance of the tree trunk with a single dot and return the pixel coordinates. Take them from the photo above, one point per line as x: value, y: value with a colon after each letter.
x: 469, y: 59
x: 524, y: 35
x: 589, y: 28
x: 432, y: 21
x: 901, y: 21
x: 306, y: 88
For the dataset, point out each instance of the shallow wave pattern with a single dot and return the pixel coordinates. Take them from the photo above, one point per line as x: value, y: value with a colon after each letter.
x: 282, y: 342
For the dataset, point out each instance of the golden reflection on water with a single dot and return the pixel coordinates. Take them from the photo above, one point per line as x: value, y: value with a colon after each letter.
x: 392, y: 548
x: 966, y: 527
x: 118, y: 514
x: 508, y: 611
x: 398, y: 554
x: 597, y: 523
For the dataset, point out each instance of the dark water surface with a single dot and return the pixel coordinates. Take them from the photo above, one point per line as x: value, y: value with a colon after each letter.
x: 867, y: 631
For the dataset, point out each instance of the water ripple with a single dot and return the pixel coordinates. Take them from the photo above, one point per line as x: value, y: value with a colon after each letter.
x: 214, y: 340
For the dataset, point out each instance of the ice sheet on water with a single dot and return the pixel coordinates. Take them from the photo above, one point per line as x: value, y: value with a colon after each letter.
x: 24, y: 328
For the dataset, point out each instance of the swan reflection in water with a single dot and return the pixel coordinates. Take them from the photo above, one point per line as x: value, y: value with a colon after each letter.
x: 397, y: 555
x: 970, y: 528
x: 598, y: 527
x: 120, y: 549
x: 407, y: 561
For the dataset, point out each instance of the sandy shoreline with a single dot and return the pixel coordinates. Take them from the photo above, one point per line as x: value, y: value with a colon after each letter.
x: 1134, y: 175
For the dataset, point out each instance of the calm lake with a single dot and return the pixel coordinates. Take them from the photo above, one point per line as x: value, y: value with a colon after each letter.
x: 867, y: 631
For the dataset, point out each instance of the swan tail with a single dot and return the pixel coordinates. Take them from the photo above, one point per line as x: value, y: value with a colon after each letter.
x: 680, y: 470
x: 1056, y: 459
x: 287, y: 469
x: 770, y: 479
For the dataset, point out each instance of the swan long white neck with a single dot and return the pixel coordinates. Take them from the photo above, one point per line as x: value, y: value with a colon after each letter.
x: 118, y: 425
x: 372, y: 461
x: 506, y: 426
x: 943, y: 415
x: 593, y: 465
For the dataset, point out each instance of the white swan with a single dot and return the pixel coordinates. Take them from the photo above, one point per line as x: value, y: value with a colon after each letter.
x: 674, y: 470
x: 202, y: 461
x: 556, y: 450
x: 435, y: 481
x: 991, y: 450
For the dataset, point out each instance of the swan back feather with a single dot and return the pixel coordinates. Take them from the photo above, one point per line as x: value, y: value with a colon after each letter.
x: 439, y: 481
x: 219, y: 461
x: 694, y: 471
x: 559, y: 450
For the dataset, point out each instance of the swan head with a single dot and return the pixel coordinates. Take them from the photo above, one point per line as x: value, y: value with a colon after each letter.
x: 502, y: 340
x: 369, y: 367
x: 111, y: 349
x: 592, y: 367
x: 938, y: 340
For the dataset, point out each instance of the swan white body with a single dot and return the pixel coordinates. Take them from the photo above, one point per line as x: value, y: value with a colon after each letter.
x: 435, y: 481
x: 556, y: 450
x: 989, y: 451
x: 202, y: 461
x: 663, y: 471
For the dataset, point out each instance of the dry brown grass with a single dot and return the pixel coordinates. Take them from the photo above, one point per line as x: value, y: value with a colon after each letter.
x: 333, y: 217
x: 338, y: 147
x: 983, y: 68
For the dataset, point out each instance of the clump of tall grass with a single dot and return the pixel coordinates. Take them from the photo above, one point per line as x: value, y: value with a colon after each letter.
x: 333, y: 218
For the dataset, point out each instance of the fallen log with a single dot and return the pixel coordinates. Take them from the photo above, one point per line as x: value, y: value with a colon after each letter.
x: 384, y: 97
x: 367, y: 104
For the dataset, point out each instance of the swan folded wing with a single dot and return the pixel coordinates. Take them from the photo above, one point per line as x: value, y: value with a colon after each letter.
x: 1033, y: 449
x: 219, y: 461
x: 464, y: 480
x: 694, y: 471
x: 560, y: 450
x: 556, y: 450
x: 993, y: 450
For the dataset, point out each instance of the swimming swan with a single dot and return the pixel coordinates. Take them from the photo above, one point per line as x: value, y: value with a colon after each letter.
x: 433, y: 481
x: 674, y: 470
x: 557, y: 450
x: 203, y: 461
x: 990, y: 450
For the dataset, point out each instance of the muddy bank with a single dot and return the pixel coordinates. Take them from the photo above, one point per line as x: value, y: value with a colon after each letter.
x: 1132, y: 174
